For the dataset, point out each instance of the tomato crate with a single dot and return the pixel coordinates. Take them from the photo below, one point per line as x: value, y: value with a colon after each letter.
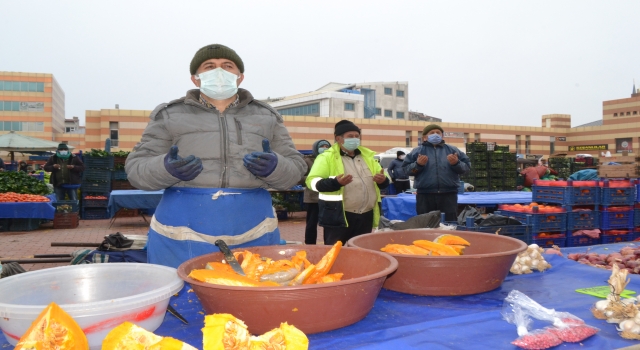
x: 119, y: 175
x: 616, y: 219
x: 96, y: 187
x: 65, y: 220
x: 583, y: 219
x: 24, y: 224
x: 540, y: 222
x: 549, y: 242
x: 617, y: 195
x: 606, y: 238
x: 581, y: 241
x: 121, y: 185
x: 568, y: 195
x: 94, y: 203
x: 520, y: 232
x: 94, y: 214
x: 96, y: 175
x: 98, y: 162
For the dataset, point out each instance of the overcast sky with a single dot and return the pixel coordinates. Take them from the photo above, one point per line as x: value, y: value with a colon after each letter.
x: 494, y: 62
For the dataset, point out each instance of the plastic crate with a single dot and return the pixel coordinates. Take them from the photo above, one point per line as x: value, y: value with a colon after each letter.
x: 616, y: 238
x: 121, y: 185
x: 478, y: 173
x: 496, y: 173
x: 65, y: 220
x: 479, y: 166
x: 98, y: 162
x: 581, y: 241
x: 568, y: 195
x: 582, y: 220
x: 476, y: 146
x: 616, y: 219
x: 38, y: 176
x: 638, y: 192
x: 520, y: 232
x: 504, y: 149
x: 636, y: 217
x: 74, y: 206
x: 617, y: 195
x: 95, y: 203
x: 94, y: 214
x: 119, y: 175
x: 126, y: 213
x: 24, y: 224
x: 96, y: 187
x: 540, y: 222
x: 96, y: 175
x: 4, y: 225
x: 119, y: 160
x: 549, y: 242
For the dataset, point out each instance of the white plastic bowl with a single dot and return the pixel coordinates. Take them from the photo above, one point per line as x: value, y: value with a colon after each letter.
x: 99, y: 297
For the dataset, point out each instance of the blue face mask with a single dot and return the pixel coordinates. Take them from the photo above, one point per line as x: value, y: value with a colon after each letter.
x: 218, y: 84
x: 434, y: 139
x: 351, y: 144
x: 320, y: 150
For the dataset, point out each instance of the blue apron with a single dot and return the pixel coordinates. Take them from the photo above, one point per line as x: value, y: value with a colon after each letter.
x: 188, y: 221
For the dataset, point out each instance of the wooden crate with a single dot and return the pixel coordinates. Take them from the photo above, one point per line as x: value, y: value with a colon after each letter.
x: 617, y: 171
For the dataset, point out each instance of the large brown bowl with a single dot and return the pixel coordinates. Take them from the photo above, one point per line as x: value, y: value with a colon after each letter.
x: 311, y: 308
x: 482, y: 268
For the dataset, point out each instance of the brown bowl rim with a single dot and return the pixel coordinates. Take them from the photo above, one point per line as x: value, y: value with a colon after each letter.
x: 381, y: 274
x: 523, y: 247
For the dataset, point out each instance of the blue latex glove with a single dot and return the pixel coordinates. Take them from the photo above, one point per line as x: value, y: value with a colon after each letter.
x: 184, y: 169
x: 261, y: 163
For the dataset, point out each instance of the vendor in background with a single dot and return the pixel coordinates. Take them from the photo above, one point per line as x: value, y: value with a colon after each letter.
x: 348, y: 179
x: 1, y: 164
x: 311, y: 197
x: 215, y: 152
x: 66, y: 169
x: 436, y: 168
x: 22, y: 166
x: 398, y: 175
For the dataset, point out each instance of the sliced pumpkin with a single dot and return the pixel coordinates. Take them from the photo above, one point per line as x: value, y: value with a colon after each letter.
x: 324, y: 265
x: 405, y: 249
x: 449, y: 239
x: 227, y: 278
x: 53, y: 329
x: 332, y: 277
x: 458, y: 248
x: 218, y: 266
x: 224, y: 331
x: 302, y: 276
x: 128, y: 336
x: 441, y: 249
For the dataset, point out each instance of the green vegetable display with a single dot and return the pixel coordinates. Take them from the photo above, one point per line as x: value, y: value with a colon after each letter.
x: 20, y: 182
x: 123, y: 154
x: 98, y: 153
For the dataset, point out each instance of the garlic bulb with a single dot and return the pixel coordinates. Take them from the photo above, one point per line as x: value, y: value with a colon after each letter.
x: 602, y: 304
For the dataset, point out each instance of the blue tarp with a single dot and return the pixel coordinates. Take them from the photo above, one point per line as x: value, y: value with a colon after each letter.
x: 37, y: 210
x: 403, y: 206
x: 403, y: 321
x: 133, y: 199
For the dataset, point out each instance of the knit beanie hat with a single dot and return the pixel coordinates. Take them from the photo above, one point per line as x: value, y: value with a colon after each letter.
x: 400, y: 153
x: 63, y: 146
x: 316, y: 146
x: 431, y: 127
x: 344, y: 126
x: 215, y: 51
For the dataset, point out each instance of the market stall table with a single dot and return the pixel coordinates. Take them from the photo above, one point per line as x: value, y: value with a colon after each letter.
x: 28, y: 210
x: 403, y: 321
x: 132, y: 199
x: 403, y: 206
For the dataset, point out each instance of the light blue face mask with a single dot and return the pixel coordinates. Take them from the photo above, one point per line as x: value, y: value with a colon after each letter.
x: 218, y: 84
x: 321, y: 149
x: 351, y: 144
x: 434, y: 139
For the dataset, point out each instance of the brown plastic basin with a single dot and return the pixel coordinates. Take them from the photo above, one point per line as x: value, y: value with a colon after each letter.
x: 482, y: 268
x: 311, y: 308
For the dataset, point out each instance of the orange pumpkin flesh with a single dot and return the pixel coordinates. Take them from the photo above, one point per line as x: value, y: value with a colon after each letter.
x: 128, y: 336
x: 441, y: 249
x: 53, y: 329
x: 448, y: 239
x: 324, y: 265
x: 405, y: 249
x: 443, y: 245
x: 226, y: 278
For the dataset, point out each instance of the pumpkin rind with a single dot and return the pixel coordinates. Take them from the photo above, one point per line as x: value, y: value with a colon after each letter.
x: 449, y: 239
x: 53, y: 329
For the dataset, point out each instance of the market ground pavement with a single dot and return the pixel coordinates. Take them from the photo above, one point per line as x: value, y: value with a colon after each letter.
x: 37, y: 242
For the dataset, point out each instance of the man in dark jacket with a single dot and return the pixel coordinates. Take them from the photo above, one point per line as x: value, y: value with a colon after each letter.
x: 310, y: 196
x: 65, y: 169
x: 398, y: 175
x: 436, y: 168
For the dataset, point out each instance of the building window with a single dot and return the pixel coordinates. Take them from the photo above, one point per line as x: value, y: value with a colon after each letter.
x: 635, y: 112
x: 388, y: 91
x: 113, y: 128
x: 349, y: 106
x: 399, y: 115
x: 69, y: 129
x: 21, y: 126
x: 628, y: 113
x: 615, y: 114
x: 312, y: 109
x: 527, y: 144
x: 388, y: 113
x: 21, y: 86
x: 378, y: 111
x: 399, y: 93
x: 15, y: 106
x: 407, y: 138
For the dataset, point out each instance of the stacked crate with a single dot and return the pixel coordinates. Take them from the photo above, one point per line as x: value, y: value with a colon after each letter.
x: 119, y: 179
x: 562, y: 165
x: 502, y: 173
x: 478, y: 176
x: 580, y: 201
x: 66, y: 215
x: 96, y: 183
x: 617, y: 198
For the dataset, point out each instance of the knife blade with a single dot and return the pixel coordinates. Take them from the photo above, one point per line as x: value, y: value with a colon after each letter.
x: 228, y: 256
x: 175, y: 313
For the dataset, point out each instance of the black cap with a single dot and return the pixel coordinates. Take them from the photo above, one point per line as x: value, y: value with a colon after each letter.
x: 345, y: 126
x: 400, y: 153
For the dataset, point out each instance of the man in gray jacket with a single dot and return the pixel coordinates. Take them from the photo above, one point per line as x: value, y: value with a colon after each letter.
x: 215, y: 152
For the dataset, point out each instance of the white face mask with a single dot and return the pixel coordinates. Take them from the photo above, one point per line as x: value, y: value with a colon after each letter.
x: 218, y: 84
x: 401, y: 157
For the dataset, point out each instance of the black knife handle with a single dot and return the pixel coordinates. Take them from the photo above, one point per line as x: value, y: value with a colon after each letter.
x: 224, y: 248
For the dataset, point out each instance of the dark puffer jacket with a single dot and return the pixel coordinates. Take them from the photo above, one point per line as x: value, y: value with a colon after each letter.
x: 437, y: 176
x: 75, y: 174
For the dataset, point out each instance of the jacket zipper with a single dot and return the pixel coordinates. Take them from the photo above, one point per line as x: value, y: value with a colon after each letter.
x: 364, y: 186
x: 223, y: 129
x: 238, y: 130
x: 435, y: 152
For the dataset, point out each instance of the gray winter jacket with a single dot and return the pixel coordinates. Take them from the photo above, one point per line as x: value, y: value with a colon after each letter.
x: 221, y: 140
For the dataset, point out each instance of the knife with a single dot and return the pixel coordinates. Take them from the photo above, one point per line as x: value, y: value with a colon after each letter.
x: 175, y: 313
x: 228, y: 256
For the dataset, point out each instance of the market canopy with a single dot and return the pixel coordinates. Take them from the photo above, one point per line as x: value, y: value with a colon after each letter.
x: 13, y: 142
